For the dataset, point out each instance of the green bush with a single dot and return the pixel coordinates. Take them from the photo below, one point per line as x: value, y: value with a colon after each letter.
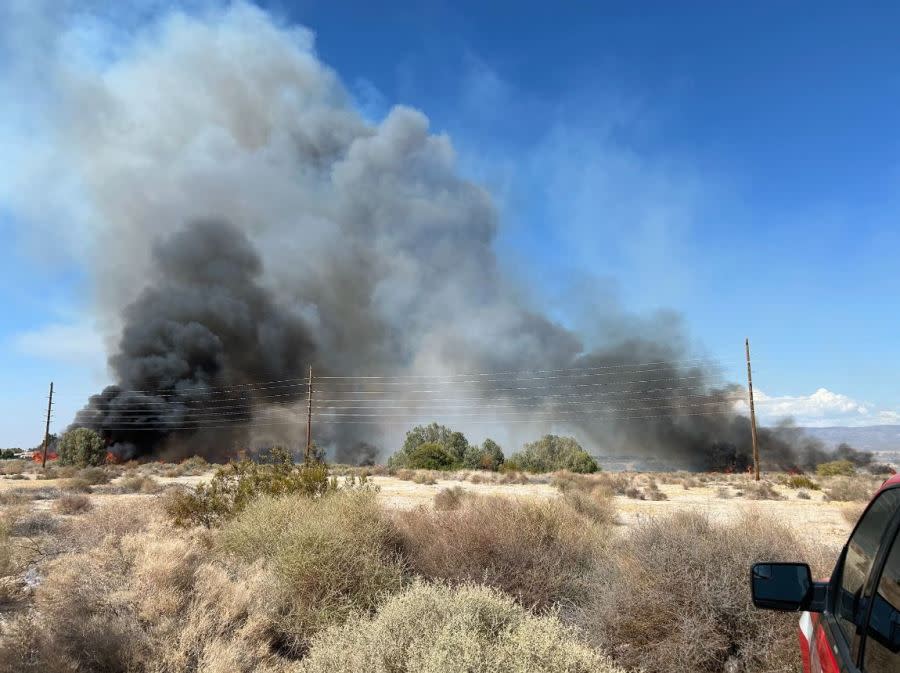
x: 432, y: 628
x: 454, y: 444
x: 836, y: 468
x: 235, y: 485
x: 551, y: 453
x: 429, y: 456
x: 9, y: 454
x: 331, y: 556
x: 81, y: 447
x: 489, y: 456
x: 801, y: 481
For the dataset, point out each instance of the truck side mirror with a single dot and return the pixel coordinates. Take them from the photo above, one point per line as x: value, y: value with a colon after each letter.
x: 786, y: 586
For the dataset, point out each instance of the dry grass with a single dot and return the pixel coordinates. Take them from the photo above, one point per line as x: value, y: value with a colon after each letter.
x: 852, y: 489
x: 139, y: 484
x: 13, y: 467
x: 449, y: 498
x: 94, y: 475
x: 761, y: 490
x: 678, y: 598
x: 852, y: 512
x: 540, y: 553
x: 72, y: 503
x: 112, y: 520
x: 436, y: 629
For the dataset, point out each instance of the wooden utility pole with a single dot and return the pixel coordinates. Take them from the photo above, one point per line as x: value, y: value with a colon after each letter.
x: 47, y: 427
x: 752, y: 414
x: 308, y: 454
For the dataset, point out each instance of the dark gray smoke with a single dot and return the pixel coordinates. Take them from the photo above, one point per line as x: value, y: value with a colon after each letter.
x: 242, y: 220
x: 191, y: 344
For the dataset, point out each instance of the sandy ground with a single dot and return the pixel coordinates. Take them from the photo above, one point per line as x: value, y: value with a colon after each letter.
x: 816, y: 519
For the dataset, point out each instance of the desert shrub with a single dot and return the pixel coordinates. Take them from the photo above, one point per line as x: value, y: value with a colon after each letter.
x: 194, y: 465
x: 72, y: 504
x: 634, y: 493
x: 597, y: 505
x: 652, y: 491
x: 57, y: 472
x: 16, y: 466
x: 678, y: 598
x: 551, y: 453
x: 235, y: 485
x: 140, y: 484
x: 81, y: 447
x: 851, y: 513
x: 93, y: 475
x: 761, y: 490
x: 618, y: 483
x: 803, y: 495
x: 331, y: 556
x: 836, y: 468
x: 5, y: 548
x: 433, y: 628
x: 882, y: 469
x: 77, y: 485
x: 108, y: 521
x: 33, y: 523
x: 449, y: 498
x: 846, y: 489
x: 510, y: 477
x: 723, y: 492
x: 429, y: 456
x: 426, y: 478
x: 539, y: 552
x: 801, y: 481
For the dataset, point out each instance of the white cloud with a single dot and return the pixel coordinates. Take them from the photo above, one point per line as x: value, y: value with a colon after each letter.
x: 821, y: 408
x: 64, y: 342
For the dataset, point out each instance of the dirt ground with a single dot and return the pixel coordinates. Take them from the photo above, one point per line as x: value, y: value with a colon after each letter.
x: 816, y: 519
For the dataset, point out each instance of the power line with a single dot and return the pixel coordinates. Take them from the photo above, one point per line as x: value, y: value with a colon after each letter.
x: 449, y: 378
x: 405, y: 402
x: 603, y: 411
x: 389, y: 421
x: 245, y: 401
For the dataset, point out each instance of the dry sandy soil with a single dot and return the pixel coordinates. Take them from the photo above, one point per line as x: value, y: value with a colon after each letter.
x: 816, y: 519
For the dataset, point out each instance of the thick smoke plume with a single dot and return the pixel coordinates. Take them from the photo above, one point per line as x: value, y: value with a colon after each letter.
x: 241, y: 220
x: 191, y: 344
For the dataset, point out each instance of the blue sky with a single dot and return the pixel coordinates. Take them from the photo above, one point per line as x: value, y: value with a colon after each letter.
x: 737, y: 165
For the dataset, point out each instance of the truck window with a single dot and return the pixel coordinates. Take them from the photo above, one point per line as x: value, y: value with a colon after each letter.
x: 861, y: 550
x: 882, y: 653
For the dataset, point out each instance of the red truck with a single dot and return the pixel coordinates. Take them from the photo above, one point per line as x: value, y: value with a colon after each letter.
x: 850, y: 623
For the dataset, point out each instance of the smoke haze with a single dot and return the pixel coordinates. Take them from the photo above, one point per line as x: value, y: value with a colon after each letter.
x: 241, y: 220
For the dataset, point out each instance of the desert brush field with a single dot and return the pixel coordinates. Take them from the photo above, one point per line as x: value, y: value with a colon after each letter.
x: 167, y: 567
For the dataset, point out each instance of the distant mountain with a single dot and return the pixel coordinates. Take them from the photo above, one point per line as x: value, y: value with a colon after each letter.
x: 880, y: 438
